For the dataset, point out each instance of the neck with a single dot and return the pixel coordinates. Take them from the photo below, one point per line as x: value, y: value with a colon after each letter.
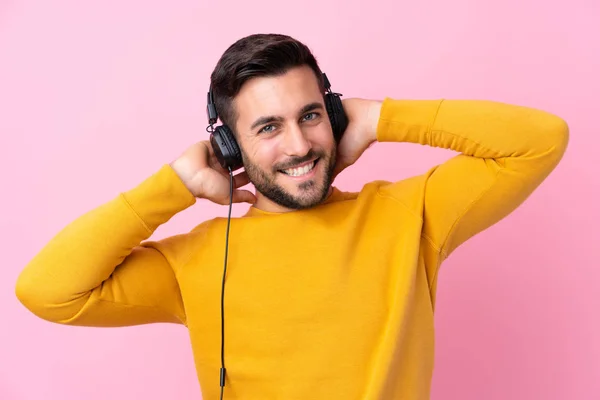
x: 263, y: 203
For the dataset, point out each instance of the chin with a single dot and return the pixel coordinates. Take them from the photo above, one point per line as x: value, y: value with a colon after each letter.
x: 307, y: 190
x: 295, y: 190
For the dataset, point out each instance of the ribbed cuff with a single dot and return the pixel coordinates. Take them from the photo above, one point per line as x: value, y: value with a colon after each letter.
x: 159, y: 197
x: 406, y: 120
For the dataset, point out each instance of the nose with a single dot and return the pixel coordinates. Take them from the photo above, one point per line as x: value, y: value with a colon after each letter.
x: 295, y: 141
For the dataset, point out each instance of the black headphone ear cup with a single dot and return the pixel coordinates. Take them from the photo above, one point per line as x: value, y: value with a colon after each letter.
x: 337, y: 115
x: 226, y: 148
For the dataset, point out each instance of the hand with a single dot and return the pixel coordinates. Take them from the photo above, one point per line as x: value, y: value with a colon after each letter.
x: 202, y: 174
x: 363, y: 117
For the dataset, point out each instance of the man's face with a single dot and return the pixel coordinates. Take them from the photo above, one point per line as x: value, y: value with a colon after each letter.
x: 286, y: 139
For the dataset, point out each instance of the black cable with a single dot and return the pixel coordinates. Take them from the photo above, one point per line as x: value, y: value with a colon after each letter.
x: 223, y: 370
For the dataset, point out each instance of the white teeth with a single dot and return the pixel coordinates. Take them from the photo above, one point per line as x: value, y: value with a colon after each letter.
x: 300, y: 171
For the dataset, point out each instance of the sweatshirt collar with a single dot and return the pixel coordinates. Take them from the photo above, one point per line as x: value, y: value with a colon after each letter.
x: 335, y: 195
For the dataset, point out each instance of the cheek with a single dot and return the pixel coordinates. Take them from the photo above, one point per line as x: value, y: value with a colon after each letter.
x: 323, y: 138
x: 265, y: 154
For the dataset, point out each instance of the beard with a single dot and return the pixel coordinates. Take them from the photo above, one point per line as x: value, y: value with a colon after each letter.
x: 311, y: 193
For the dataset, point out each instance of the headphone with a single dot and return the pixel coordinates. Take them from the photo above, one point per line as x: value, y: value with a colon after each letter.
x: 227, y: 152
x: 226, y: 148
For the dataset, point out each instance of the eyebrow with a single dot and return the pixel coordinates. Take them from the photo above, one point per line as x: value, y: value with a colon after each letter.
x: 272, y: 118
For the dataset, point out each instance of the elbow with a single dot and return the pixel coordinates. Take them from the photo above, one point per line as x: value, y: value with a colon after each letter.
x: 35, y: 299
x: 561, y: 135
x: 556, y: 134
x: 28, y: 295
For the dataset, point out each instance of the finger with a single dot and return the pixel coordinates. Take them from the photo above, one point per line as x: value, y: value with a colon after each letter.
x: 241, y: 179
x: 337, y: 169
x: 243, y: 196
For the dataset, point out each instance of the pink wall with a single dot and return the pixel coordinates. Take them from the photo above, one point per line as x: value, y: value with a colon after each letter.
x: 95, y: 97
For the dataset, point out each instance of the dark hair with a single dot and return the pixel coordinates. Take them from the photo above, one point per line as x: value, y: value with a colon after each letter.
x: 257, y: 55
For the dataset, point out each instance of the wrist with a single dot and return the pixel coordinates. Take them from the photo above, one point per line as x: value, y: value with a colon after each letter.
x: 373, y: 115
x: 183, y: 172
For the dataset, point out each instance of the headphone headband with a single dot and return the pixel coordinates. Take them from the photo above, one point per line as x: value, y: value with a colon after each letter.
x: 211, y: 110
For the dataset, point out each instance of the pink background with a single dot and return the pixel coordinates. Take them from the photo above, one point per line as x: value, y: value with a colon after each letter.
x: 95, y: 97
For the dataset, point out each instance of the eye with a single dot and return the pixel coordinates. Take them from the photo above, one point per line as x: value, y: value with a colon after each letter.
x: 312, y: 114
x: 266, y: 130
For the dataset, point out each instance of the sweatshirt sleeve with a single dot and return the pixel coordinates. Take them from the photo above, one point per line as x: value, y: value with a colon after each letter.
x: 98, y: 271
x: 506, y: 152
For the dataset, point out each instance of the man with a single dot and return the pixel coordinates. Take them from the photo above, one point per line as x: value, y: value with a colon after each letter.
x: 329, y: 294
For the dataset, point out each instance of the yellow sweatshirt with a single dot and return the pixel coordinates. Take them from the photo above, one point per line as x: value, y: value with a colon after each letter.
x: 334, y: 302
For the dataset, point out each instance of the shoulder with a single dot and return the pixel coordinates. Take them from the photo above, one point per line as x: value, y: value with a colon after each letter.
x: 408, y: 192
x: 178, y: 248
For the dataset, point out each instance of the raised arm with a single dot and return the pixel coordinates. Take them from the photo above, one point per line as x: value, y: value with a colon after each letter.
x: 102, y: 271
x: 506, y: 153
x: 98, y: 271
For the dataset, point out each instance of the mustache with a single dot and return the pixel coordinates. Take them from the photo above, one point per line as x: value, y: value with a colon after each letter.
x: 311, y: 155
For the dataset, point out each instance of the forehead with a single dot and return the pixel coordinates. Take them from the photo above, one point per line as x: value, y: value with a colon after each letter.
x: 280, y: 95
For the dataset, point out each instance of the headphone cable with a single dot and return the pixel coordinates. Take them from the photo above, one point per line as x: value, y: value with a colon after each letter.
x: 223, y: 370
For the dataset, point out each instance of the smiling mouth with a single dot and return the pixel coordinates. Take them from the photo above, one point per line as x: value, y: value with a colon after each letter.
x: 300, y: 171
